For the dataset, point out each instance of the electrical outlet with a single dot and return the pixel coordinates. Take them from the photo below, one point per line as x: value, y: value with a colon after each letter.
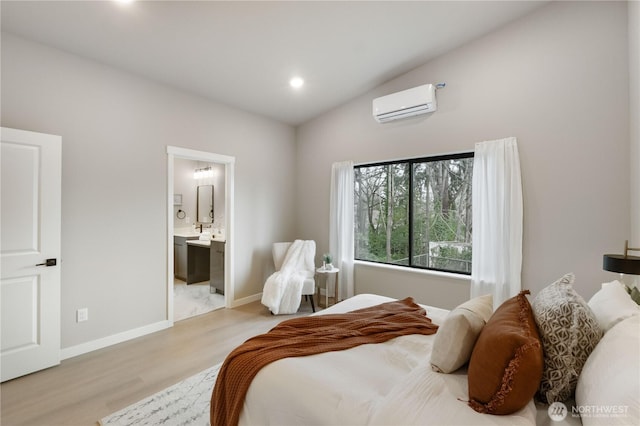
x: 82, y: 314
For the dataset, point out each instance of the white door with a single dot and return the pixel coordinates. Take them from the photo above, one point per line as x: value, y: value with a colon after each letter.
x: 30, y: 177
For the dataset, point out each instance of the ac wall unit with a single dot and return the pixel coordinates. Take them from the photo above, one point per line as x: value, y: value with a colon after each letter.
x: 415, y: 101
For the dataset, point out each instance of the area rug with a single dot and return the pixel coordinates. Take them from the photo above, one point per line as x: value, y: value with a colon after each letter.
x: 185, y: 403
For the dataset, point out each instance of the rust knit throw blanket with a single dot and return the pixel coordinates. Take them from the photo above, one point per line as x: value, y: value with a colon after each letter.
x: 308, y: 336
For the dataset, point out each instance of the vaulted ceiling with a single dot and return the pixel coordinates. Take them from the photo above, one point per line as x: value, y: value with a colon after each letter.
x: 243, y: 54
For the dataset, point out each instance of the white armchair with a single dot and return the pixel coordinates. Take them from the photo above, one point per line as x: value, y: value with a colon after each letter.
x: 309, y: 286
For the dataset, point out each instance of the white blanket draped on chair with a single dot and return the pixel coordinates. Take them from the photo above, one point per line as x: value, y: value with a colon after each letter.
x: 283, y: 290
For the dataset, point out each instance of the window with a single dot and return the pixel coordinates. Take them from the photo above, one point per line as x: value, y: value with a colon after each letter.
x: 415, y: 213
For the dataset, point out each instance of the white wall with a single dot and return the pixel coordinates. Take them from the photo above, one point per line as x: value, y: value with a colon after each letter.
x: 536, y: 79
x: 557, y: 80
x: 115, y: 128
x: 634, y: 113
x: 187, y: 186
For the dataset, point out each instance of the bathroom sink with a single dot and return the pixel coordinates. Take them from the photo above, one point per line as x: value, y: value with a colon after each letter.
x: 205, y: 243
x: 185, y: 232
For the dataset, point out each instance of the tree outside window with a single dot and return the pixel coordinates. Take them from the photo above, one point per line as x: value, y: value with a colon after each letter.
x: 415, y: 213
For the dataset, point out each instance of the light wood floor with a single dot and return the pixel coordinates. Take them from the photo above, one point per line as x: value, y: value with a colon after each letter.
x: 82, y: 390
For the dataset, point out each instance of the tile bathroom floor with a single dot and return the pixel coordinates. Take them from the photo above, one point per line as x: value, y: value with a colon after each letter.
x: 193, y: 299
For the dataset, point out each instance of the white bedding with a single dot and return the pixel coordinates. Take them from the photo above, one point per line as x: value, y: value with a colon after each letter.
x: 380, y: 384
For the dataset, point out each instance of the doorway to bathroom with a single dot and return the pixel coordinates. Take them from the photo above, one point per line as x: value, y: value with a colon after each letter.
x: 199, y: 232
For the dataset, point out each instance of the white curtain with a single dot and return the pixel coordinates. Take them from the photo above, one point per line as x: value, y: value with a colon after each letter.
x: 497, y: 220
x: 341, y: 225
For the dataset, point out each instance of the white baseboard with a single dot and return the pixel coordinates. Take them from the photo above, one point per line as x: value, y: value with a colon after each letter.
x: 245, y: 300
x: 94, y: 345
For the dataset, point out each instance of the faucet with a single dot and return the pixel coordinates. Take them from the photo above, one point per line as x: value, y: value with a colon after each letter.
x: 205, y: 226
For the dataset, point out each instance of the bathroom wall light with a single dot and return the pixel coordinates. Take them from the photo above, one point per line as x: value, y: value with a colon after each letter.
x: 205, y: 172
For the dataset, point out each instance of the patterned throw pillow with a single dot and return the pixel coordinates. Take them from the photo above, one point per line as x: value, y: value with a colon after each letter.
x: 569, y: 331
x: 635, y: 295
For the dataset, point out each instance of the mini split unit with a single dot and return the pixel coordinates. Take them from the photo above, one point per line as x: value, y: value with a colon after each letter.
x: 416, y: 101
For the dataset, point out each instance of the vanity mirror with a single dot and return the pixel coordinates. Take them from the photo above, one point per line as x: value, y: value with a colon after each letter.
x: 204, y: 205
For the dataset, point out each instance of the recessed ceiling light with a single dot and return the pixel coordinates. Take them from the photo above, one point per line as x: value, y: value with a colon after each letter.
x: 296, y: 82
x: 124, y: 1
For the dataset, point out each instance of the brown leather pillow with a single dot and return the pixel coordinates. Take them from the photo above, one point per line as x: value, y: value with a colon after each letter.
x: 506, y: 364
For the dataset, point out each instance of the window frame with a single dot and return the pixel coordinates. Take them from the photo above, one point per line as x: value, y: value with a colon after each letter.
x: 411, y: 162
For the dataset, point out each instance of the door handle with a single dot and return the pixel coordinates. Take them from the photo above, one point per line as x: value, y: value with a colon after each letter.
x: 48, y: 262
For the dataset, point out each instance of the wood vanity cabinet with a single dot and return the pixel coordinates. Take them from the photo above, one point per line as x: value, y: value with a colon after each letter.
x: 216, y: 274
x: 180, y: 256
x: 197, y: 261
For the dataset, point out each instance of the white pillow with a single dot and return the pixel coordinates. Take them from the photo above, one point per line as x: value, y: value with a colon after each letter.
x: 457, y: 335
x: 612, y: 304
x: 608, y: 390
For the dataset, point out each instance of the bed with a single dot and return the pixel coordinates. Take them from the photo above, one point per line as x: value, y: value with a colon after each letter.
x: 386, y: 383
x: 394, y: 383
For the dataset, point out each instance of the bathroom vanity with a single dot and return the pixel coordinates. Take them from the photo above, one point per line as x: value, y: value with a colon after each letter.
x: 216, y: 263
x: 198, y: 253
x: 196, y: 260
x: 180, y: 254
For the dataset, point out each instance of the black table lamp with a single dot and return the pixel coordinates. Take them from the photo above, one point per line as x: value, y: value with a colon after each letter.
x: 623, y: 264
